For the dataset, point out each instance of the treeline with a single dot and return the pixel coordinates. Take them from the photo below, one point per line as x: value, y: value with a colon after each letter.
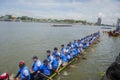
x: 31, y: 19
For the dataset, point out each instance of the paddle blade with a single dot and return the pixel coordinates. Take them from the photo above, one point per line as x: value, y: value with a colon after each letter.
x: 92, y: 50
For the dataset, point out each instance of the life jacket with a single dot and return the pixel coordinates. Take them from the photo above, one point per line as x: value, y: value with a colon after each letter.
x: 24, y: 72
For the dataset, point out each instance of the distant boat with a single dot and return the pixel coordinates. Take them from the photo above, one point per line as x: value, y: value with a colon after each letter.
x: 106, y: 28
x: 62, y: 25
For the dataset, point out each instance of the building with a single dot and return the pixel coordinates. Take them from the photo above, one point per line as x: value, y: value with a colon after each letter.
x: 99, y: 21
x: 118, y: 25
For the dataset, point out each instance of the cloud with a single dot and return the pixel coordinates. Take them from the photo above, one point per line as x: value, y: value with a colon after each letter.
x: 89, y: 10
x: 100, y: 14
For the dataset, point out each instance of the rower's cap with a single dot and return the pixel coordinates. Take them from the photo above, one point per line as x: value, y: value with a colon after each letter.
x: 21, y: 62
x: 34, y: 57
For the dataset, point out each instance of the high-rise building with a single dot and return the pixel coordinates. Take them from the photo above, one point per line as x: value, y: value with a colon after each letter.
x: 118, y: 25
x: 99, y: 21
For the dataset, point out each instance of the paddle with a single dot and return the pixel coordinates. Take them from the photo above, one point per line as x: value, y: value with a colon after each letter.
x: 73, y: 66
x: 49, y: 78
x: 12, y: 77
x: 92, y: 50
x: 83, y: 54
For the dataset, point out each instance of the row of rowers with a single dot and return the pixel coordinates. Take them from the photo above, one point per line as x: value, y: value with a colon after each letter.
x: 55, y: 59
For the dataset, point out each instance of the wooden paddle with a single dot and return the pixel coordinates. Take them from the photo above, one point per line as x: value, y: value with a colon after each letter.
x: 49, y: 78
x: 92, y: 50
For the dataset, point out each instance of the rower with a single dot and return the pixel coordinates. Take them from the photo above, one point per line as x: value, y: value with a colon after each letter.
x: 64, y: 58
x: 55, y: 52
x: 74, y: 52
x: 45, y: 70
x: 70, y: 54
x: 23, y: 71
x: 4, y: 76
x: 84, y: 45
x: 62, y: 48
x: 75, y: 44
x: 68, y: 47
x: 56, y: 64
x: 35, y: 67
x: 50, y: 57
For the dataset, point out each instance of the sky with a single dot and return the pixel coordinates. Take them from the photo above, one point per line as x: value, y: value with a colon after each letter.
x: 90, y: 10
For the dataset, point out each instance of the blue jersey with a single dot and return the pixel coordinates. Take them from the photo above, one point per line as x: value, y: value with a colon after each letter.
x: 64, y: 57
x: 75, y: 53
x: 24, y: 72
x: 55, y: 54
x: 55, y: 64
x: 50, y: 58
x: 71, y: 55
x: 45, y: 69
x: 62, y: 50
x: 75, y: 44
x: 68, y: 48
x: 85, y: 45
x: 36, y: 65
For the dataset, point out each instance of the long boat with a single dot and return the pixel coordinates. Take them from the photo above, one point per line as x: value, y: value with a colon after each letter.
x: 64, y: 67
x: 71, y: 61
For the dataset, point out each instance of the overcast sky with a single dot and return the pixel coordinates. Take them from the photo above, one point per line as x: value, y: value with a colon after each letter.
x: 90, y: 10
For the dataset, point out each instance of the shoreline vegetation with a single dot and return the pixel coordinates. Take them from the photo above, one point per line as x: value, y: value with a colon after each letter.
x: 11, y: 18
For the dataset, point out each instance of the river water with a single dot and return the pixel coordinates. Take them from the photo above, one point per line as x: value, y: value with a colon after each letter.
x: 20, y: 41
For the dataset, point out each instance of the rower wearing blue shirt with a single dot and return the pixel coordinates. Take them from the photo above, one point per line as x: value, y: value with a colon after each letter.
x: 62, y: 48
x: 50, y: 57
x: 84, y: 45
x: 70, y: 54
x: 64, y: 58
x: 75, y: 44
x: 56, y: 64
x: 74, y: 51
x: 68, y: 47
x: 23, y: 71
x: 88, y: 43
x: 78, y: 43
x: 35, y: 67
x: 78, y: 50
x: 45, y: 69
x: 55, y: 52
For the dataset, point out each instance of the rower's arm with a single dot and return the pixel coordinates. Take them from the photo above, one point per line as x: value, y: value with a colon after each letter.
x: 17, y: 74
x: 60, y: 62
